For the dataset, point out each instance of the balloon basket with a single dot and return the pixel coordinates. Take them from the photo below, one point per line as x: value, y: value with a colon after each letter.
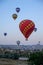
x: 26, y: 39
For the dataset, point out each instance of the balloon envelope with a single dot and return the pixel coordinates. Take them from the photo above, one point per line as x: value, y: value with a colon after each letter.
x: 39, y: 41
x: 35, y: 29
x: 18, y: 42
x: 26, y: 27
x: 17, y: 9
x: 14, y: 16
x: 5, y: 34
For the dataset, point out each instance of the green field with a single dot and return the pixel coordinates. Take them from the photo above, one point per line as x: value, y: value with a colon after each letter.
x: 12, y: 62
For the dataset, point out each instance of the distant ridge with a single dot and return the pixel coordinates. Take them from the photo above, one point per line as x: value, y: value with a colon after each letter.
x: 26, y: 47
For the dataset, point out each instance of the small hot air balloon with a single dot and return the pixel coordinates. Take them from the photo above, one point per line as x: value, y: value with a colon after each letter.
x: 17, y: 9
x: 26, y: 27
x: 35, y: 29
x: 39, y: 42
x: 14, y: 16
x: 18, y: 42
x: 5, y: 34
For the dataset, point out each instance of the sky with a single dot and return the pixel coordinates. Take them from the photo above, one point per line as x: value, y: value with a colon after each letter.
x: 29, y: 9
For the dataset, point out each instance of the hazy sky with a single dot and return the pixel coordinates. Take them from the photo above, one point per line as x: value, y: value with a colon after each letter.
x: 29, y: 9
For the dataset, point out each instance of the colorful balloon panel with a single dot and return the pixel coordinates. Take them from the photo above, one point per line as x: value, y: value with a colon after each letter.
x: 26, y: 27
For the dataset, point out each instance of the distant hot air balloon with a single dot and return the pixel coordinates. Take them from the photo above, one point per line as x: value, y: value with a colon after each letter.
x: 5, y: 34
x: 26, y: 27
x: 17, y: 9
x: 14, y: 16
x: 18, y: 42
x: 35, y: 29
x: 39, y: 42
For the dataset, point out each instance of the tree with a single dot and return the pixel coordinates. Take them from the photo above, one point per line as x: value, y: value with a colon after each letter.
x: 36, y: 58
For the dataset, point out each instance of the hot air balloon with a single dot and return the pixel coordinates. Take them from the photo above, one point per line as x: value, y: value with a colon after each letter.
x: 35, y: 29
x: 14, y: 16
x: 5, y: 34
x: 17, y: 9
x: 18, y: 42
x: 39, y: 42
x: 26, y: 27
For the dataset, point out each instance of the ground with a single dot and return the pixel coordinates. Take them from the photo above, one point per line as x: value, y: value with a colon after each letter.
x: 12, y: 62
